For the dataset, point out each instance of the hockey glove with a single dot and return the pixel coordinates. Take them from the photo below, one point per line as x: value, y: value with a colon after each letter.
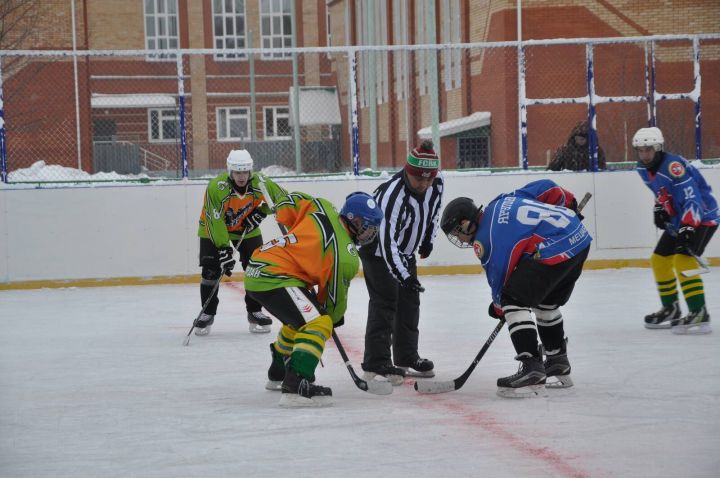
x: 685, y: 239
x: 574, y: 207
x: 413, y: 284
x: 253, y: 220
x: 227, y: 261
x: 494, y: 312
x: 660, y: 216
x: 425, y: 250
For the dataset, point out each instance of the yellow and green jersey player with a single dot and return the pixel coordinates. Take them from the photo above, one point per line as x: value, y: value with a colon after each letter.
x: 302, y: 278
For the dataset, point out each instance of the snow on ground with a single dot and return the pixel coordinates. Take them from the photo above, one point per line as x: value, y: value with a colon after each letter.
x: 95, y: 382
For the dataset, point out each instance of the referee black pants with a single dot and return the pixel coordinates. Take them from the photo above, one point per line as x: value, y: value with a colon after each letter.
x: 393, y: 315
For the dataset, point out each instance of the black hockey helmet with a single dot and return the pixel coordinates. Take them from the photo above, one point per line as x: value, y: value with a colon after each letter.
x: 459, y: 210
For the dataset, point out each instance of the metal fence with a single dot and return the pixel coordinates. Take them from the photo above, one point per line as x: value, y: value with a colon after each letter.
x: 340, y: 109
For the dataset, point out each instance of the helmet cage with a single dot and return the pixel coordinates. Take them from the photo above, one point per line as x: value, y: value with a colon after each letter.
x: 363, y: 217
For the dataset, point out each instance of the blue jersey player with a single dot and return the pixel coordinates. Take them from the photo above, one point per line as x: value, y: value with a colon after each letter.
x: 533, y: 247
x: 688, y: 213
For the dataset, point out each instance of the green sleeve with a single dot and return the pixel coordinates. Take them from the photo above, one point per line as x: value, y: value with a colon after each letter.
x: 276, y: 192
x: 215, y: 197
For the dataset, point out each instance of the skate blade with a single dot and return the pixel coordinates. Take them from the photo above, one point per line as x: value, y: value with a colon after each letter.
x: 258, y: 329
x: 414, y: 373
x: 522, y: 392
x: 273, y: 385
x: 393, y: 379
x: 203, y: 331
x: 692, y: 329
x: 662, y: 325
x: 292, y: 400
x: 559, y: 381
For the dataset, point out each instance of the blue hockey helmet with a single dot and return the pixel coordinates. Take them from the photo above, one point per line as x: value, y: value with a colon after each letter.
x: 363, y: 216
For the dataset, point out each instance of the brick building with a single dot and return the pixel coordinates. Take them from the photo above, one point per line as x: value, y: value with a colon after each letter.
x: 129, y: 106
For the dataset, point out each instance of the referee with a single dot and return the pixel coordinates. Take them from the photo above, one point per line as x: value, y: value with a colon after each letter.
x: 411, y: 202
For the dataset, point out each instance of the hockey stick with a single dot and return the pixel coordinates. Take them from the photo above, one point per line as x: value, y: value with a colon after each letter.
x: 186, y: 342
x: 702, y: 262
x: 373, y: 386
x: 437, y: 386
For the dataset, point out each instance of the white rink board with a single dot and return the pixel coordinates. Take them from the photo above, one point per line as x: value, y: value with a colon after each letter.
x: 119, y: 231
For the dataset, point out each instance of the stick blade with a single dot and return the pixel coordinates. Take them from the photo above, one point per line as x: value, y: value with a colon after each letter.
x: 695, y: 272
x: 432, y: 386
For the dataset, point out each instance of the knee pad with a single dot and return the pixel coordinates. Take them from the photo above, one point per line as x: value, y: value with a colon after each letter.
x: 547, y: 315
x: 210, y: 275
x: 662, y: 267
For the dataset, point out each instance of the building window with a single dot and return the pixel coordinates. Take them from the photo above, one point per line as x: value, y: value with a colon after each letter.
x: 277, y: 123
x: 161, y: 28
x: 229, y: 27
x: 276, y: 26
x: 373, y: 32
x: 163, y: 125
x: 233, y: 124
x: 474, y: 149
x: 452, y: 58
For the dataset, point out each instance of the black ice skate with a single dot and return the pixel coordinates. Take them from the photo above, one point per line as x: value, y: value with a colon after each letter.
x: 696, y: 322
x: 392, y: 374
x: 204, y: 324
x: 557, y: 368
x: 298, y: 392
x: 276, y: 372
x: 259, y: 323
x: 420, y: 367
x: 529, y: 381
x: 663, y: 318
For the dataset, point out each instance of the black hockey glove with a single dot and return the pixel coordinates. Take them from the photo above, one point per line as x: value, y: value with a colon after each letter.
x: 574, y: 207
x: 227, y: 261
x: 253, y: 220
x: 660, y: 216
x: 413, y: 284
x: 425, y: 250
x: 685, y: 239
x: 493, y: 312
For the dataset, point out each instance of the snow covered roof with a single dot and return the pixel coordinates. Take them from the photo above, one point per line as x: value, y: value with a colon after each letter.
x: 132, y: 101
x: 449, y: 128
x: 318, y: 105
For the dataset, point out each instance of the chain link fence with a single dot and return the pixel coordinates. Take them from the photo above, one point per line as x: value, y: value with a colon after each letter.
x: 147, y: 114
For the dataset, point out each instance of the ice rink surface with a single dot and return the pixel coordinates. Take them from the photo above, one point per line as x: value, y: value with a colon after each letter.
x: 94, y: 382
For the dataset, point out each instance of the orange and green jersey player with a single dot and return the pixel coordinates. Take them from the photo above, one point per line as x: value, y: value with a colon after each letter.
x: 316, y: 251
x: 224, y: 210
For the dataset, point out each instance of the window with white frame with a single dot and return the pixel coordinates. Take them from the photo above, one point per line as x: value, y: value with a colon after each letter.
x: 276, y: 26
x: 400, y: 58
x: 422, y: 36
x: 277, y: 122
x: 163, y: 125
x: 373, y: 32
x: 233, y: 123
x: 229, y: 27
x: 161, y: 28
x: 452, y: 58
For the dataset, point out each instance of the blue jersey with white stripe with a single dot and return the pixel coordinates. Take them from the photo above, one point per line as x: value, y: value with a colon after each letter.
x: 531, y: 223
x: 682, y: 191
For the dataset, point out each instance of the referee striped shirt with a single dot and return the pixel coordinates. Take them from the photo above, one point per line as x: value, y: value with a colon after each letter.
x: 410, y: 221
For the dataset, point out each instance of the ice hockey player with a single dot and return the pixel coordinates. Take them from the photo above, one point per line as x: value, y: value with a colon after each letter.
x: 232, y: 210
x: 533, y: 247
x: 319, y: 250
x: 687, y: 212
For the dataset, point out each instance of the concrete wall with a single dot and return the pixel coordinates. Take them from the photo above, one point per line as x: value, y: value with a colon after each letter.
x: 148, y: 231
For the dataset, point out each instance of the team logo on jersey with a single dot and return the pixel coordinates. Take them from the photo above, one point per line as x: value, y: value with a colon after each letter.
x: 221, y: 185
x: 676, y: 169
x: 478, y: 248
x: 352, y: 250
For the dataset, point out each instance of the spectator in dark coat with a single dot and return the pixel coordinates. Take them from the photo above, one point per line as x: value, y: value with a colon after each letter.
x: 575, y: 154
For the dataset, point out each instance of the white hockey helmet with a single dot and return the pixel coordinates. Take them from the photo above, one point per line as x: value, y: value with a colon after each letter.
x: 239, y: 160
x: 649, y: 137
